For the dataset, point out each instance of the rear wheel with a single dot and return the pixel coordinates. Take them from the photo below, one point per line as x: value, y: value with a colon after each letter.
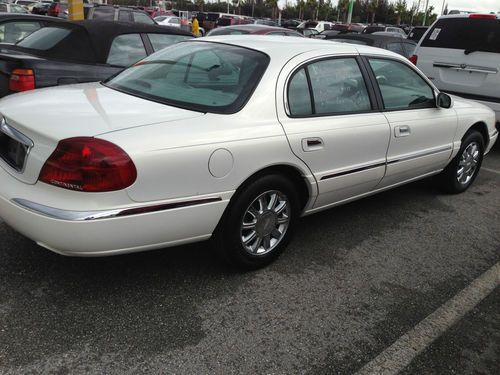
x: 463, y: 169
x: 258, y: 223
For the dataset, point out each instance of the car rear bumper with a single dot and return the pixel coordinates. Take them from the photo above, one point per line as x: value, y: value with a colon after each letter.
x: 112, y: 231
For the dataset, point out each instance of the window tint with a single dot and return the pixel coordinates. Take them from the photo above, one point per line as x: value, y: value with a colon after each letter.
x: 401, y: 87
x: 299, y: 99
x: 103, y: 13
x: 338, y: 86
x: 142, y: 18
x: 124, y: 15
x: 126, y: 50
x: 44, y: 38
x: 465, y: 33
x: 160, y: 41
x: 11, y: 32
x: 396, y: 47
x: 201, y: 76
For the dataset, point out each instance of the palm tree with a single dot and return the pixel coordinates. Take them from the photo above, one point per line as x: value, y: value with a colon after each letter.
x: 400, y: 8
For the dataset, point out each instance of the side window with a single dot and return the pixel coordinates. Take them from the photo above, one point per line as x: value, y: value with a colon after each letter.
x: 338, y: 86
x: 396, y: 47
x: 410, y: 49
x: 175, y: 21
x: 11, y: 32
x: 401, y: 87
x: 299, y: 99
x: 126, y: 50
x: 143, y: 18
x: 3, y: 7
x: 160, y: 41
x: 124, y: 16
x: 104, y: 13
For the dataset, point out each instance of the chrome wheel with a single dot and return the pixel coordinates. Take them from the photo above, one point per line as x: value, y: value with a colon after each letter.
x: 265, y: 222
x: 468, y: 163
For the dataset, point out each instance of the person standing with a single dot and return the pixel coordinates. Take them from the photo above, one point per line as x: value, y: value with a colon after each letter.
x: 195, y: 26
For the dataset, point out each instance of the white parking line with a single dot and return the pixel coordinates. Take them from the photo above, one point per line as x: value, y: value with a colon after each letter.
x: 399, y: 355
x: 490, y: 170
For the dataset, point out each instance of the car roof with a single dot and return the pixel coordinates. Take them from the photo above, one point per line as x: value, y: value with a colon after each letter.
x: 27, y: 16
x: 256, y: 28
x: 372, y: 37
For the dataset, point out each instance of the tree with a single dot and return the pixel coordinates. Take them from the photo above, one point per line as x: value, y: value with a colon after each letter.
x: 400, y: 9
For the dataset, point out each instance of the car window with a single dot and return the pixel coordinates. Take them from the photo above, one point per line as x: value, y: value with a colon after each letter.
x: 126, y: 50
x: 410, y: 49
x: 44, y: 39
x: 3, y: 7
x: 124, y: 15
x: 396, y: 47
x: 11, y: 32
x: 201, y: 76
x: 352, y: 41
x: 401, y: 87
x: 174, y: 21
x: 104, y: 13
x: 277, y: 33
x: 160, y: 19
x: 465, y: 33
x: 142, y: 18
x: 17, y: 9
x: 338, y: 86
x: 160, y: 41
x: 299, y: 99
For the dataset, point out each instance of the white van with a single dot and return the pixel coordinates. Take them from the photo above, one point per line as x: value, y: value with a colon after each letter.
x: 461, y: 55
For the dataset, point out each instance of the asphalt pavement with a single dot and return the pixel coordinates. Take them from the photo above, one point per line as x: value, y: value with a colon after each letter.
x: 353, y: 281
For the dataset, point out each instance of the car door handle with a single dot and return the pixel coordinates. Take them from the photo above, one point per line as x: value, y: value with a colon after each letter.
x: 312, y: 144
x: 402, y: 131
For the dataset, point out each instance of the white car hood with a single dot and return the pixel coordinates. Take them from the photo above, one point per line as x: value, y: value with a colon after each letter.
x: 86, y: 109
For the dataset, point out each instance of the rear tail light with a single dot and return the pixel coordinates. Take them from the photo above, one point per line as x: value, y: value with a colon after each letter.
x: 484, y: 16
x: 54, y: 10
x: 22, y: 80
x: 413, y: 59
x: 88, y: 164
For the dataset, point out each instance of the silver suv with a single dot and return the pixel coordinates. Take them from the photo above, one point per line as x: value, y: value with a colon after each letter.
x: 461, y: 55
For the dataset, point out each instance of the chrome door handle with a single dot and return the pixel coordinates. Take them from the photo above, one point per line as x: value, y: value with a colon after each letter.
x: 402, y: 131
x: 312, y: 144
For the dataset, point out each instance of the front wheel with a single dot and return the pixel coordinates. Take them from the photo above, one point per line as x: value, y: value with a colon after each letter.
x: 258, y: 224
x: 463, y: 169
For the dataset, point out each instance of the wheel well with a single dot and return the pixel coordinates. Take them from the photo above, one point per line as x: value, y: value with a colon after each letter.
x: 292, y: 173
x: 483, y: 130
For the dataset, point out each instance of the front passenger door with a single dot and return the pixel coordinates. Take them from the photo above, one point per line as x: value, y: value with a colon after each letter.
x: 422, y: 135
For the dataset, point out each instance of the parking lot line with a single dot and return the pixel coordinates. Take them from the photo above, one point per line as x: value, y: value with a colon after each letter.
x: 490, y: 170
x: 399, y: 355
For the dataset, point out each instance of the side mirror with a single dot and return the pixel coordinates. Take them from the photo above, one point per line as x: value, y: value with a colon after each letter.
x: 443, y: 100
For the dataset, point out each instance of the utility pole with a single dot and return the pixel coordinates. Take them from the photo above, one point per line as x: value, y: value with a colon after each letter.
x: 425, y: 12
x: 349, y: 12
x: 75, y: 10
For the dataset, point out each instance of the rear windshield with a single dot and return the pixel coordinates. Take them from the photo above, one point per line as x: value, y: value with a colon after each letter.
x: 228, y: 31
x: 44, y: 39
x: 469, y: 34
x: 205, y: 77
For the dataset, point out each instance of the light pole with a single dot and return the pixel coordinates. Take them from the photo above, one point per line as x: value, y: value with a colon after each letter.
x: 349, y: 12
x: 425, y: 12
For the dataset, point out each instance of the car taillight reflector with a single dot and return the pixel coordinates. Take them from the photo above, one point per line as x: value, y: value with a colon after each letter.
x: 413, y: 59
x: 484, y: 16
x: 88, y: 164
x: 22, y: 80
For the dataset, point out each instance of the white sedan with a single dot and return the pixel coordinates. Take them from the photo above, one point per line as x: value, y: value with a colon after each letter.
x: 231, y: 137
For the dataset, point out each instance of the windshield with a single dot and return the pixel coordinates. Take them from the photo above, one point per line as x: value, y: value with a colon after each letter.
x: 201, y: 76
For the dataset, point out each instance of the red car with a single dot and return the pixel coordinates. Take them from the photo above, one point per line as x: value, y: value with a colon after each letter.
x: 253, y: 29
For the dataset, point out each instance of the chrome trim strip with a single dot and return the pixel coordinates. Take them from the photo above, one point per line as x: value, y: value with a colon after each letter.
x: 333, y: 175
x: 59, y: 214
x: 469, y: 68
x: 422, y: 154
x: 19, y: 137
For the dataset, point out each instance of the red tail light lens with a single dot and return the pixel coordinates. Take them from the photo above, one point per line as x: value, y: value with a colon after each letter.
x: 22, y: 80
x: 413, y: 59
x: 88, y: 164
x: 484, y: 16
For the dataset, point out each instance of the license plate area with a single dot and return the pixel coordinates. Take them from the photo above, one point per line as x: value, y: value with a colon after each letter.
x: 14, y: 147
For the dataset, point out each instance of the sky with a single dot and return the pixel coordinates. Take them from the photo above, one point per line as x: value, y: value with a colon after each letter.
x: 482, y: 6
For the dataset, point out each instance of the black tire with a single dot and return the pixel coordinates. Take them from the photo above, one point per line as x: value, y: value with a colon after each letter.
x: 448, y: 179
x: 228, y: 237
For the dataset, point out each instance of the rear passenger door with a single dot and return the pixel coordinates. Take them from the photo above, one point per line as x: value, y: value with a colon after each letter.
x: 332, y: 124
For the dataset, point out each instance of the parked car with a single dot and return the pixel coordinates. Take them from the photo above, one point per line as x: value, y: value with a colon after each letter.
x: 73, y: 52
x: 375, y: 28
x: 42, y: 7
x: 461, y: 55
x: 266, y: 22
x: 12, y: 8
x: 117, y: 13
x: 318, y: 25
x: 227, y: 137
x: 15, y: 26
x: 417, y: 32
x: 172, y: 21
x: 253, y: 29
x: 397, y: 44
x: 59, y: 8
x: 308, y: 32
x: 27, y: 4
